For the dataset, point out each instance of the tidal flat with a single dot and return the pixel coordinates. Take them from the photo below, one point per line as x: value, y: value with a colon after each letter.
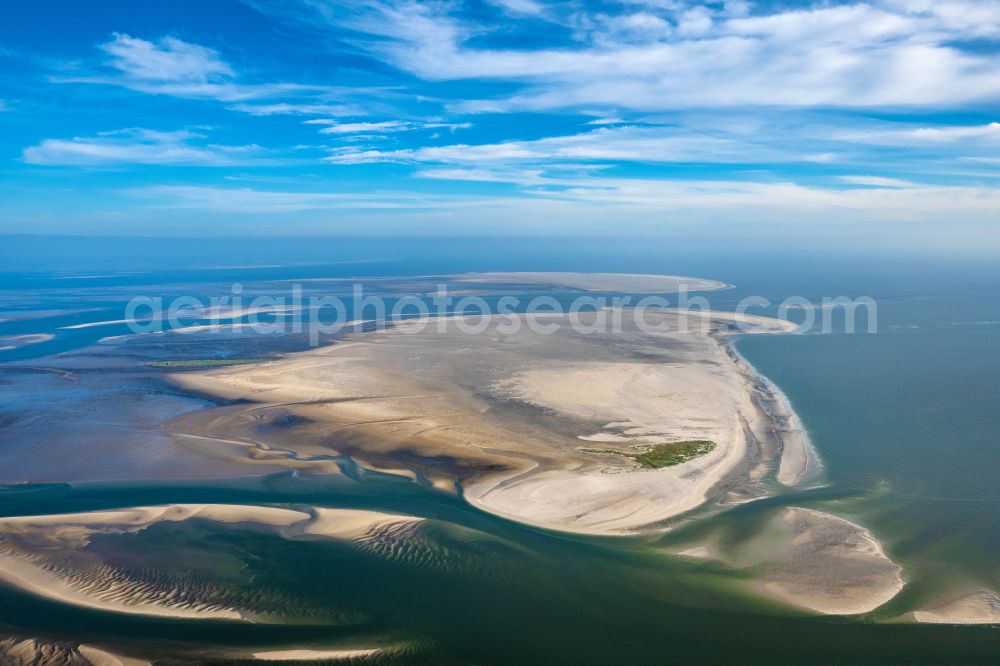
x: 397, y: 494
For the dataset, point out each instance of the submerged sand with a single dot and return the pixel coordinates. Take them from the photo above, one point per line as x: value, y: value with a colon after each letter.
x: 9, y: 342
x: 47, y: 555
x: 812, y: 560
x: 981, y: 607
x: 36, y: 652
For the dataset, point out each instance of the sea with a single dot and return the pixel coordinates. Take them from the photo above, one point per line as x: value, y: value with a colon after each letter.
x: 903, y: 414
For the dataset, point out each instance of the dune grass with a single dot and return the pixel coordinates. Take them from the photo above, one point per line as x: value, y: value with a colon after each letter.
x: 204, y: 362
x: 665, y: 454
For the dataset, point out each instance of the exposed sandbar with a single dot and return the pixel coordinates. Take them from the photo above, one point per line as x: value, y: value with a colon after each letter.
x: 811, y: 560
x: 513, y: 412
x: 829, y: 565
x: 8, y: 342
x: 315, y: 655
x: 352, y: 524
x: 613, y: 282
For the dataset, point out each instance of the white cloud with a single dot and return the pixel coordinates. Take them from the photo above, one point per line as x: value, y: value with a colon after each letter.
x: 170, y: 66
x: 301, y: 109
x: 628, y: 143
x: 648, y: 204
x: 876, y: 181
x: 488, y: 175
x: 529, y: 7
x: 337, y: 127
x: 657, y: 200
x: 879, y: 53
x: 915, y: 136
x: 334, y: 127
x: 984, y: 160
x: 135, y: 146
x: 251, y: 201
x: 168, y: 60
x: 636, y: 27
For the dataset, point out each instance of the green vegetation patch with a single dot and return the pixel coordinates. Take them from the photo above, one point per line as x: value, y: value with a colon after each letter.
x: 204, y: 362
x: 666, y: 454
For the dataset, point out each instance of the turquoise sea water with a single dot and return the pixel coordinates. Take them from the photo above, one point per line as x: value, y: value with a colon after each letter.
x: 904, y: 421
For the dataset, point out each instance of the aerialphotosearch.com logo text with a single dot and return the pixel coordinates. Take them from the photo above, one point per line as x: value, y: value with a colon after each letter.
x: 323, y: 315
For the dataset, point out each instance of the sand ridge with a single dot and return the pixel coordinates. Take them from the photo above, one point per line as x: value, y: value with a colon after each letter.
x: 15, y: 651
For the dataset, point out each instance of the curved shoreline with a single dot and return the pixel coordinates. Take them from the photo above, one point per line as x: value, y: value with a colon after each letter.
x: 797, y: 458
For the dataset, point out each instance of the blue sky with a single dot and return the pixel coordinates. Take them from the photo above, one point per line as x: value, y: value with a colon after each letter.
x: 833, y: 121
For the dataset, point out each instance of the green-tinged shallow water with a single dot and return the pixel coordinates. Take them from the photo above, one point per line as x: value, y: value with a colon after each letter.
x: 904, y: 421
x: 472, y: 589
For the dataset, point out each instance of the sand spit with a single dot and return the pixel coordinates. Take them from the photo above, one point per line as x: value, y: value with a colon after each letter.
x: 93, y: 324
x: 795, y: 454
x: 982, y: 607
x: 508, y: 415
x: 315, y: 655
x: 48, y: 556
x: 75, y: 529
x: 614, y: 282
x: 783, y: 427
x: 216, y: 313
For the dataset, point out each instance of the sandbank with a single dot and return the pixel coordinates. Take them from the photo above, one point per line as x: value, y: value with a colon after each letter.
x: 9, y: 342
x: 613, y: 282
x: 513, y: 412
x: 829, y: 565
x: 315, y: 655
